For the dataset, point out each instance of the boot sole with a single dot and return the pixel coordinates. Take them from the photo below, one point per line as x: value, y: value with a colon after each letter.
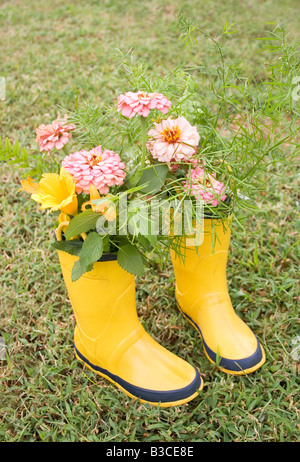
x: 239, y: 370
x: 101, y: 372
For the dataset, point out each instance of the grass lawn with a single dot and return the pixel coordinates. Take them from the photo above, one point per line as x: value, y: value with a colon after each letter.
x: 51, y: 52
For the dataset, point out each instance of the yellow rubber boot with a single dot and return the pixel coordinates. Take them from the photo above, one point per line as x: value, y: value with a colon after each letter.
x: 202, y: 296
x: 110, y: 340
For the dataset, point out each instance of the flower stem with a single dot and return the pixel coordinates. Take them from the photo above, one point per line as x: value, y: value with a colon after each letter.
x: 65, y: 149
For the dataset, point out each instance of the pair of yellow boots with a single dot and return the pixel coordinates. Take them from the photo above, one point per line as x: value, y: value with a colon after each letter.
x: 110, y: 340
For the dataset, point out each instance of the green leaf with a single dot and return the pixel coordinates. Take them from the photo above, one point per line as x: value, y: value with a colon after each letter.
x: 153, y: 178
x: 106, y: 244
x: 78, y: 270
x: 144, y: 242
x: 147, y: 241
x: 8, y: 146
x: 152, y: 239
x: 131, y: 259
x: 82, y: 223
x: 16, y: 149
x: 71, y: 247
x: 92, y: 249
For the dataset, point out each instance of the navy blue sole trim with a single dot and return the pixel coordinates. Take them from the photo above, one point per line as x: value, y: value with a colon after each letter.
x: 153, y: 396
x: 234, y: 365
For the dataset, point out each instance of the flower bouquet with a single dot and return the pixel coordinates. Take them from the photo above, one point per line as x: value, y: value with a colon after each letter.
x: 167, y: 168
x: 107, y: 208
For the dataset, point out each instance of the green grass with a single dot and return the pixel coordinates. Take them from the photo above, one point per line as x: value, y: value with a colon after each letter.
x: 48, y: 55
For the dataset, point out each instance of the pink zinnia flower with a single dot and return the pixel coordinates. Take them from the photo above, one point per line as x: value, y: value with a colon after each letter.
x: 55, y: 135
x: 173, y: 140
x: 204, y: 186
x: 102, y: 169
x: 141, y: 103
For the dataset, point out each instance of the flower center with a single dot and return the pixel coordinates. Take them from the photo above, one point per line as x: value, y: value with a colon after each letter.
x: 205, y: 182
x: 94, y: 160
x: 143, y: 94
x: 171, y: 134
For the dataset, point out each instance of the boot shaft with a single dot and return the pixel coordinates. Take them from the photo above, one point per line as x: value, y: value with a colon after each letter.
x: 100, y: 297
x: 204, y: 267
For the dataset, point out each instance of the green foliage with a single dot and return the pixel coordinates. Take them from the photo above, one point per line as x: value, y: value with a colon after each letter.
x: 242, y: 139
x: 30, y: 163
x: 131, y: 260
x: 79, y: 269
x: 15, y: 155
x: 91, y: 251
x: 82, y: 223
x: 72, y: 247
x: 153, y: 178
